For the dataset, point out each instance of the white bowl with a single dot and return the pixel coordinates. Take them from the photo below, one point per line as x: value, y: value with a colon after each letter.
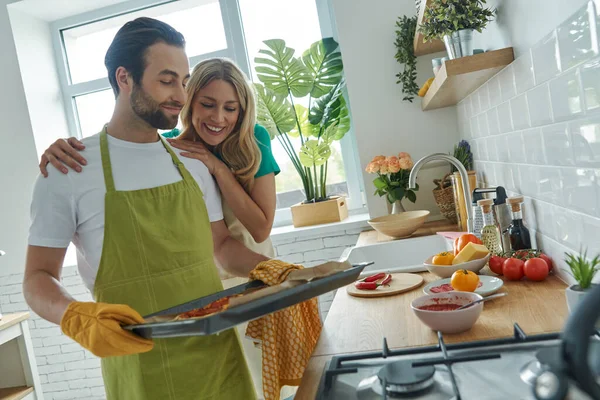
x: 446, y: 271
x: 454, y: 321
x: 400, y: 225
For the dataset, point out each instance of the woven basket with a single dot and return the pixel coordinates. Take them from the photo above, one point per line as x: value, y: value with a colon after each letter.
x: 444, y: 198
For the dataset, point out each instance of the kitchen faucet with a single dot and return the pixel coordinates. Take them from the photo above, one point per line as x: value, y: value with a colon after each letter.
x: 412, y: 180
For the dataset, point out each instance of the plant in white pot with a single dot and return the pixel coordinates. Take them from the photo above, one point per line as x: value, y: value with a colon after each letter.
x: 454, y: 21
x: 583, y: 271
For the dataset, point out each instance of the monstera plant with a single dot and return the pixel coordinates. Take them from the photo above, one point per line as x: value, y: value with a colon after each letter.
x: 316, y: 77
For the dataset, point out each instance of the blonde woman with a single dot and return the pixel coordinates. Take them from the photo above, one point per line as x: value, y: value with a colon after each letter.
x: 219, y: 128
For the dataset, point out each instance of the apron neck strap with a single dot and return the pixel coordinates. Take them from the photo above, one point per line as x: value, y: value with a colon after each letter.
x: 185, y: 174
x: 107, y: 167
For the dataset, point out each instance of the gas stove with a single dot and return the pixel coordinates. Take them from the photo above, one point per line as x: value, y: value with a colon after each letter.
x: 554, y: 366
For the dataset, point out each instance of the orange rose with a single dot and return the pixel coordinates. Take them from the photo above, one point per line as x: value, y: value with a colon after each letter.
x: 406, y: 163
x: 393, y: 164
x: 378, y: 158
x: 372, y: 167
x: 383, y: 167
x: 403, y: 155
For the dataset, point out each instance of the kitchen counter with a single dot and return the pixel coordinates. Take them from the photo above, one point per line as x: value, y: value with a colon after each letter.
x: 428, y: 228
x: 359, y: 324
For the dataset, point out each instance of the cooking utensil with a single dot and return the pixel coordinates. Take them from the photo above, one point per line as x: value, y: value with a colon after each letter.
x: 163, y: 325
x: 494, y: 296
x: 400, y: 283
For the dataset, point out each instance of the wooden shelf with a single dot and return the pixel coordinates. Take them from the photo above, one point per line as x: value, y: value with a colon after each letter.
x: 421, y: 48
x: 15, y: 393
x: 458, y: 78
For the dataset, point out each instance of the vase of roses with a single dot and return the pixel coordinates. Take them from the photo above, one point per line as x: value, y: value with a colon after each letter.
x: 392, y: 179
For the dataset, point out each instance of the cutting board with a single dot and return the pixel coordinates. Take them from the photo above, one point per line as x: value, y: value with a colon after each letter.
x: 401, y: 282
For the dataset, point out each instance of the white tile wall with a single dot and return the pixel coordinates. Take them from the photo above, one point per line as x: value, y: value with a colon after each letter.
x: 542, y: 138
x: 69, y: 372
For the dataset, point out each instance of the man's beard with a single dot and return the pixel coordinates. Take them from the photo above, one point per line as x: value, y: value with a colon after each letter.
x: 147, y: 109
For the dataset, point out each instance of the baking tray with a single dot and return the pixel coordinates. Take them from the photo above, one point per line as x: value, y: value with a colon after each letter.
x: 240, y: 314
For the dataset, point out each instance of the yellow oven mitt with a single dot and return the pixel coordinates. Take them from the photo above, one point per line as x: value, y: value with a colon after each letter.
x: 97, y: 327
x: 287, y: 337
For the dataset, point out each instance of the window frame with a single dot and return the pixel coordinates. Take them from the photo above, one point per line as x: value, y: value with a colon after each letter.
x: 236, y: 50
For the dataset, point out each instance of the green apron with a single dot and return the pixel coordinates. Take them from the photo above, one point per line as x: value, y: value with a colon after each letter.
x: 158, y: 253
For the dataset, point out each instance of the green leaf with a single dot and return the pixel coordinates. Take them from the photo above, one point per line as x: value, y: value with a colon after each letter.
x: 281, y: 72
x: 323, y: 106
x: 307, y: 128
x: 379, y: 183
x: 331, y: 109
x: 314, y: 153
x: 325, y: 65
x: 410, y: 195
x: 330, y: 134
x: 274, y: 112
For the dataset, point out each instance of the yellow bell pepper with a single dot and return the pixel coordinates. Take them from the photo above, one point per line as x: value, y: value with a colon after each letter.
x: 98, y: 328
x: 425, y: 87
x: 444, y: 258
x: 464, y: 281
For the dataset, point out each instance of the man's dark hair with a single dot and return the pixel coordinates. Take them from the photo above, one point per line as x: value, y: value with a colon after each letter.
x: 128, y: 48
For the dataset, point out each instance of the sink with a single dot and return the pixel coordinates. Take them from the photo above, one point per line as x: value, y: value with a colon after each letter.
x: 405, y: 255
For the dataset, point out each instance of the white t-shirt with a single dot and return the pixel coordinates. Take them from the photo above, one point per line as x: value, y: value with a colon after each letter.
x: 70, y: 208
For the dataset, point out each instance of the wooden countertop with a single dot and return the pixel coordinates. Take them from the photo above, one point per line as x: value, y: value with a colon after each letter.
x: 9, y: 320
x: 358, y: 325
x: 428, y: 228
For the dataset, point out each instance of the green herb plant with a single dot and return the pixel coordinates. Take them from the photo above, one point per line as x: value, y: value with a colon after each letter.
x: 405, y: 55
x: 443, y: 17
x: 581, y: 269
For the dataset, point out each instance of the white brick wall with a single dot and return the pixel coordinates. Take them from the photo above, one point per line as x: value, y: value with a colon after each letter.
x: 69, y: 372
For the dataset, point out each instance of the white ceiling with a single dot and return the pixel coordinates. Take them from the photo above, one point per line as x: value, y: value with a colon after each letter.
x: 52, y: 10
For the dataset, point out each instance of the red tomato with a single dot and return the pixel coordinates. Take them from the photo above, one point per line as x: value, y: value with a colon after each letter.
x: 496, y: 264
x: 536, y: 269
x: 512, y: 268
x: 548, y: 261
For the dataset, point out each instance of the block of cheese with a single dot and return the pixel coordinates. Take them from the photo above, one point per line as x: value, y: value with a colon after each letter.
x: 470, y: 252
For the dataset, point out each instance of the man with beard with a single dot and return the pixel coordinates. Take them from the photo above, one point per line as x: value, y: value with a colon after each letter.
x: 146, y: 224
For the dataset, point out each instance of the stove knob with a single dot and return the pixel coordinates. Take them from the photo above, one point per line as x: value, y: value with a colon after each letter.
x: 550, y: 386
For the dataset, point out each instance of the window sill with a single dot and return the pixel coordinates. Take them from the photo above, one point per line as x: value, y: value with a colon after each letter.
x: 357, y: 221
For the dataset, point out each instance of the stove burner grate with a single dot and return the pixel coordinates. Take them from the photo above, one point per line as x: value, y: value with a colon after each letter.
x: 401, y: 377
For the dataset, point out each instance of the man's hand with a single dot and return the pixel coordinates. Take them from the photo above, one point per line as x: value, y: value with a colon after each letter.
x: 98, y: 328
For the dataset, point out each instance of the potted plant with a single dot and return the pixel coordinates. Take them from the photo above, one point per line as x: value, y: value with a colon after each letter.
x: 315, y: 79
x: 405, y: 55
x: 454, y: 21
x: 583, y: 271
x: 392, y: 179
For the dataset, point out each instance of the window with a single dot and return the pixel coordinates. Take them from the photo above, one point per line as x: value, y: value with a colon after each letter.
x: 212, y: 28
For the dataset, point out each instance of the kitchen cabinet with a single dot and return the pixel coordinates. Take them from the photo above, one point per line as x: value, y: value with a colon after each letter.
x: 19, y: 378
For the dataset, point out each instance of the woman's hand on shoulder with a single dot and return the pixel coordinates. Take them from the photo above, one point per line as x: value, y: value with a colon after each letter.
x: 198, y: 151
x: 63, y: 152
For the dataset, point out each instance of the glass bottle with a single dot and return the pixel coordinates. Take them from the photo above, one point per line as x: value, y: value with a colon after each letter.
x: 490, y: 234
x: 517, y: 231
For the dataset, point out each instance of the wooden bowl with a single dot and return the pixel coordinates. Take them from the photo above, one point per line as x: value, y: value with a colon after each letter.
x: 400, y: 225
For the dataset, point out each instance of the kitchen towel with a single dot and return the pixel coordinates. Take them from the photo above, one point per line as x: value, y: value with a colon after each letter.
x: 287, y: 337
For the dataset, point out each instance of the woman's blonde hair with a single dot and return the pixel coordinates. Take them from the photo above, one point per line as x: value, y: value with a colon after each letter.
x: 239, y: 150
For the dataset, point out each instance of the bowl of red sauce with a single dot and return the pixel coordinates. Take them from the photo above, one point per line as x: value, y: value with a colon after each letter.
x: 439, y: 311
